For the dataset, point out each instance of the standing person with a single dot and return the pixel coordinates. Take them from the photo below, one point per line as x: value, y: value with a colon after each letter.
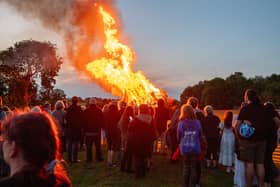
x: 189, y: 134
x: 252, y: 147
x: 174, y: 149
x: 161, y: 118
x: 31, y: 149
x: 74, y: 119
x: 47, y: 108
x: 226, y: 157
x: 140, y: 139
x: 59, y: 115
x: 3, y: 114
x: 193, y: 101
x: 4, y: 168
x: 93, y: 123
x: 113, y: 134
x: 210, y: 126
x: 271, y: 142
x: 127, y: 117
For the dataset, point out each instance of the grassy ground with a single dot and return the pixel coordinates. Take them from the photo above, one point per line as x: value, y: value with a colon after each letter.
x: 162, y: 174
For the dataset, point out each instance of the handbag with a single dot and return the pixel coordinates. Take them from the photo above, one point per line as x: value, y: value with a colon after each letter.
x: 246, y: 130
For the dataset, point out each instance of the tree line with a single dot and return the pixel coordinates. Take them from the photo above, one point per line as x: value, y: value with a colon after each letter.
x: 228, y: 93
x: 27, y: 73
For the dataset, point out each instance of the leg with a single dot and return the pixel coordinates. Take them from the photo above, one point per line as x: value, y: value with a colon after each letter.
x: 249, y: 172
x: 88, y: 141
x: 97, y: 143
x: 69, y: 149
x: 186, y: 171
x: 260, y: 174
x: 215, y: 152
x: 198, y: 171
x: 75, y: 150
x: 193, y: 169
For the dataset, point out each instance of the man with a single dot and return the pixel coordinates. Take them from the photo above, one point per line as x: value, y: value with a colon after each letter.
x: 74, y: 120
x: 94, y: 121
x: 252, y: 149
x: 161, y: 118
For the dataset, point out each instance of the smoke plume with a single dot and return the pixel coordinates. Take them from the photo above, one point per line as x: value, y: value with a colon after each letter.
x: 78, y: 21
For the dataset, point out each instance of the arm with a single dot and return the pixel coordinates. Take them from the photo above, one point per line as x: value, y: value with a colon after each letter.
x: 277, y: 121
x: 179, y: 132
x: 236, y: 126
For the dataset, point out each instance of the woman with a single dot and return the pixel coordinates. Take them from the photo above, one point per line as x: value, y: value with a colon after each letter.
x: 31, y: 149
x: 189, y: 134
x: 59, y: 114
x: 140, y: 138
x: 210, y: 126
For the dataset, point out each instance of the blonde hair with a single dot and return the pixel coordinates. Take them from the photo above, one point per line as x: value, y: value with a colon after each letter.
x: 187, y: 112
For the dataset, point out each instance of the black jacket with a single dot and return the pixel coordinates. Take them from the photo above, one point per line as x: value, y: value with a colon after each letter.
x: 93, y: 119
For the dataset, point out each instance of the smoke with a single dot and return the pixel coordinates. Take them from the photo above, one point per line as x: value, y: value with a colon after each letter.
x: 78, y: 21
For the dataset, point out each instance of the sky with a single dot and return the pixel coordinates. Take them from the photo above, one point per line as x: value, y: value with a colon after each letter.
x: 177, y: 43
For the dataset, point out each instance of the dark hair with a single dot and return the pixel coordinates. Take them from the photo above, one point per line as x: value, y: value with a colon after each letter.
x: 252, y: 96
x: 228, y: 119
x: 75, y: 100
x: 37, y: 138
x: 193, y: 101
x: 160, y: 103
x: 129, y: 111
x: 144, y: 109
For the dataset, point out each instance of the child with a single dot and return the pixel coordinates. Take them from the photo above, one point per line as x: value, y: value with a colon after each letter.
x: 227, y: 143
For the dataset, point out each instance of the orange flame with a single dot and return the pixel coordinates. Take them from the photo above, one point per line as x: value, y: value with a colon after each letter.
x: 115, y: 71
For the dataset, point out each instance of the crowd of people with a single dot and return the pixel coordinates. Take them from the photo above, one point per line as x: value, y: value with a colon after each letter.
x: 242, y: 143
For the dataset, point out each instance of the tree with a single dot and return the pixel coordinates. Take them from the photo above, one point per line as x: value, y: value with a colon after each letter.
x: 24, y: 65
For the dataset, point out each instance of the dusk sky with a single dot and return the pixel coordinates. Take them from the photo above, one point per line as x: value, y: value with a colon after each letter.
x: 177, y: 43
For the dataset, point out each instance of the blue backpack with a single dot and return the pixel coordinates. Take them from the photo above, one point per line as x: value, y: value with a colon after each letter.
x: 190, y: 143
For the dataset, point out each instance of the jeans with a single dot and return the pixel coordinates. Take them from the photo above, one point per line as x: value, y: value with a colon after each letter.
x: 190, y: 170
x: 73, y: 145
x: 140, y: 166
x: 89, y: 139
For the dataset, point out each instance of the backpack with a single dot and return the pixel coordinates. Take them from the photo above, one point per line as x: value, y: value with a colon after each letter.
x: 190, y: 143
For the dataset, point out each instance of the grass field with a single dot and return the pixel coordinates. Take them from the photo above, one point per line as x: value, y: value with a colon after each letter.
x: 162, y: 174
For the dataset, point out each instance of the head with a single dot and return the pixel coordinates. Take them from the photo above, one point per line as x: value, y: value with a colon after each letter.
x: 269, y: 106
x: 208, y: 109
x: 113, y: 108
x: 121, y: 105
x: 228, y: 119
x: 31, y: 137
x: 59, y: 105
x: 187, y: 112
x: 160, y: 103
x: 129, y: 111
x: 92, y: 101
x: 36, y: 109
x: 251, y: 96
x: 75, y: 100
x: 47, y: 106
x: 144, y: 109
x: 193, y: 101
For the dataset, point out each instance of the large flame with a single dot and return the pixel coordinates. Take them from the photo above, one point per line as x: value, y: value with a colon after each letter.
x: 114, y: 69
